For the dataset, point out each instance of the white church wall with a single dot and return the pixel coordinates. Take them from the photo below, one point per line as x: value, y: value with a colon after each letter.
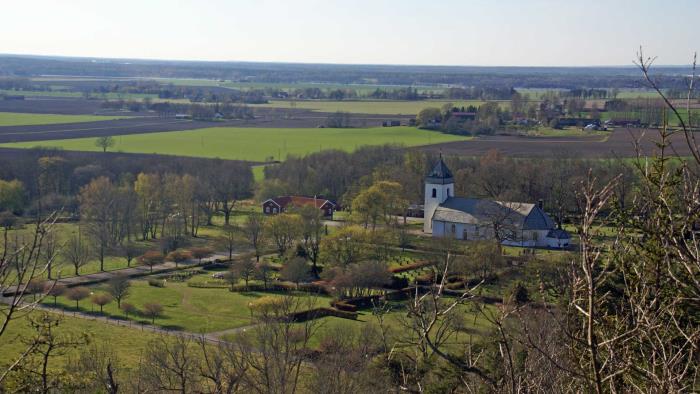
x: 442, y: 193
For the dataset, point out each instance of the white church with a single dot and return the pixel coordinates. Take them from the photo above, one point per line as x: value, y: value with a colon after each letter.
x: 513, y: 223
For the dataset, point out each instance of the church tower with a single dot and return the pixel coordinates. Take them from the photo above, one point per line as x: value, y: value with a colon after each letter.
x: 439, y: 186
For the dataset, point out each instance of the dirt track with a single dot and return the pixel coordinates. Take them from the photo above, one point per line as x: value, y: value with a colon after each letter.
x: 619, y: 144
x: 63, y: 106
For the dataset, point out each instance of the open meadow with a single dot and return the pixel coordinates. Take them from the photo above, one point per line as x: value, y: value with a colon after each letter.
x: 253, y: 144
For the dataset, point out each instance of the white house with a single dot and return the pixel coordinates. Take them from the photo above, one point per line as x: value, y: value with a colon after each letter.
x: 514, y: 223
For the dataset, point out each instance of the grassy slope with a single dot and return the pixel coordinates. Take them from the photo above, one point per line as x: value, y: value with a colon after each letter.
x: 255, y: 144
x: 128, y: 343
x: 22, y: 119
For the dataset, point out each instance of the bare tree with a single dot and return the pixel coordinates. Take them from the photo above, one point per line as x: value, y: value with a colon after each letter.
x: 119, y: 287
x: 222, y: 366
x: 152, y: 310
x: 77, y: 294
x: 45, y: 344
x: 229, y: 239
x: 274, y: 353
x: 433, y: 321
x: 76, y: 252
x: 51, y: 249
x: 20, y: 264
x: 296, y: 270
x: 244, y: 268
x: 312, y: 230
x: 171, y: 364
x: 254, y: 232
x: 101, y: 299
x: 101, y: 365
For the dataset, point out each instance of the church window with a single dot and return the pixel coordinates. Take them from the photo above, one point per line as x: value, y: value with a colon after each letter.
x: 448, y: 192
x: 434, y: 192
x: 453, y: 228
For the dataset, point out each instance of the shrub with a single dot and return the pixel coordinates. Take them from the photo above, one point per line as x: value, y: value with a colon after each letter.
x: 398, y: 282
x: 152, y: 310
x: 151, y: 258
x: 411, y: 267
x: 76, y: 294
x: 519, y: 293
x: 201, y: 253
x: 343, y: 306
x: 54, y: 290
x: 180, y: 276
x: 101, y: 299
x: 128, y: 308
x: 178, y: 256
x: 156, y: 282
x: 318, y: 313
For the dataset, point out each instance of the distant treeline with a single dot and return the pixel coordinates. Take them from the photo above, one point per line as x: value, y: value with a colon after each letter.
x: 196, y: 111
x: 496, y: 77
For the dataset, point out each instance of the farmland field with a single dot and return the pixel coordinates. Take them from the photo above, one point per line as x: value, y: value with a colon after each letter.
x: 22, y: 119
x: 74, y: 94
x: 371, y: 107
x: 254, y: 144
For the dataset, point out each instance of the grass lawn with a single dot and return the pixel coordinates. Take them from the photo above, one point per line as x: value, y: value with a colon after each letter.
x: 185, y: 308
x: 258, y: 173
x: 475, y: 325
x: 371, y: 107
x: 254, y: 144
x: 128, y: 343
x: 24, y: 119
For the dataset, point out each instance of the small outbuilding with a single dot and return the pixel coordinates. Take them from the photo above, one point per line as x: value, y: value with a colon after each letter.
x: 558, y: 238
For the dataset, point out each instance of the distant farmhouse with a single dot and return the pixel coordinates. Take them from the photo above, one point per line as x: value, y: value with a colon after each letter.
x: 513, y: 223
x: 282, y: 204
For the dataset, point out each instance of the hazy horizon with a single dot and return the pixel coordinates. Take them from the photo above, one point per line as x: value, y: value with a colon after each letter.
x: 537, y: 33
x: 146, y: 59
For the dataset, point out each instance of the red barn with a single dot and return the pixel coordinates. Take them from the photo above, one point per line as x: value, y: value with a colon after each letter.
x: 282, y: 204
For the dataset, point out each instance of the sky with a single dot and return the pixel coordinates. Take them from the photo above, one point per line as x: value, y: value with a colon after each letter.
x: 426, y: 32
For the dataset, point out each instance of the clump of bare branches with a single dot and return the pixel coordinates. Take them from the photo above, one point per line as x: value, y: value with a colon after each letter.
x: 22, y: 266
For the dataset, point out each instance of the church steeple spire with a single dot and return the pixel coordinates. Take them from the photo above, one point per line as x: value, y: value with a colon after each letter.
x: 440, y: 174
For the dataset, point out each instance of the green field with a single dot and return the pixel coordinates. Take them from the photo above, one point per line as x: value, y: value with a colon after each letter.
x: 24, y: 119
x: 127, y: 342
x: 254, y: 144
x: 370, y: 107
x: 187, y: 308
x: 73, y: 94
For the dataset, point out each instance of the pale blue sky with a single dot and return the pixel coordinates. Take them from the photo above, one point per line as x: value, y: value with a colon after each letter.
x: 450, y: 32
